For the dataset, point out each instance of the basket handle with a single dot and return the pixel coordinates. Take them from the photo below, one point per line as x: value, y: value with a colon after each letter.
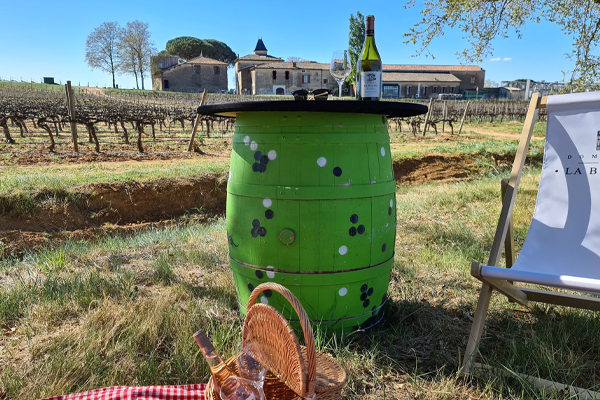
x: 309, y: 337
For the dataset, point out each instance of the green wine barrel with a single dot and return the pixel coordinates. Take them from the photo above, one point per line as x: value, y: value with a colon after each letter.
x: 311, y: 205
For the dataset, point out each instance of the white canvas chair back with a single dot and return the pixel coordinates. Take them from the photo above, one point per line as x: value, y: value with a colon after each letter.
x: 562, y: 248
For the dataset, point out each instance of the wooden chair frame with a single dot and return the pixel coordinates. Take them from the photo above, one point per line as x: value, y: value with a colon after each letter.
x: 523, y: 296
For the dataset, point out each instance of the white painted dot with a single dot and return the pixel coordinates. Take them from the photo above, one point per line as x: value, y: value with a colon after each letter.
x: 267, y: 202
x: 229, y: 174
x: 343, y: 291
x: 253, y: 145
x: 343, y: 250
x: 392, y: 203
x: 264, y: 300
x: 270, y: 274
x: 272, y: 155
x: 322, y: 161
x: 247, y: 140
x: 382, y: 152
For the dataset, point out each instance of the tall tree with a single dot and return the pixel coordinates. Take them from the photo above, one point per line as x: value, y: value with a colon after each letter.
x: 137, y: 48
x: 482, y: 21
x: 188, y: 47
x: 356, y: 42
x: 185, y: 47
x: 101, y: 48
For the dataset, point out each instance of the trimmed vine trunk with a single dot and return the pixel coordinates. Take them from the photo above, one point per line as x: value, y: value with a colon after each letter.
x: 42, y: 124
x: 140, y: 129
x: 92, y: 133
x: 125, y: 134
x: 7, y: 136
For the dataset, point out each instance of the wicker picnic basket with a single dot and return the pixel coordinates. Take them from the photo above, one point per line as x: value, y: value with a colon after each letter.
x: 294, y: 371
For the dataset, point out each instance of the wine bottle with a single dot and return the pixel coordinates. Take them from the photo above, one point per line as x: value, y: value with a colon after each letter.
x: 369, y: 67
x: 218, y: 368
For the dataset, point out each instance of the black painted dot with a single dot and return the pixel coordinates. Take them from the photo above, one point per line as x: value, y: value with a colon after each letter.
x: 268, y: 293
x: 361, y: 229
x: 363, y: 288
x: 366, y: 303
x: 254, y: 232
x: 259, y: 274
x: 354, y: 218
x: 374, y: 310
x: 250, y: 287
x: 269, y: 214
x: 262, y: 168
x: 370, y: 291
x: 337, y: 171
x: 255, y: 167
x: 262, y: 231
x: 390, y: 211
x: 363, y: 297
x: 256, y: 223
x: 383, y: 248
x: 257, y: 155
x: 264, y: 160
x: 352, y: 231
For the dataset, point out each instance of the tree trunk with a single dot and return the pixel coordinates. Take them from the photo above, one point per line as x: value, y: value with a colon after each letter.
x: 42, y: 124
x: 7, y: 136
x: 140, y: 128
x: 92, y: 133
x: 153, y: 131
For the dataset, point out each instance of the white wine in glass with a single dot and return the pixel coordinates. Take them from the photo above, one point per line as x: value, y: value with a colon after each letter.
x: 340, y: 67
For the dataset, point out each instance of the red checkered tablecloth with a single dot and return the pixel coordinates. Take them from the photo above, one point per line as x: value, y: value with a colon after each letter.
x: 181, y: 392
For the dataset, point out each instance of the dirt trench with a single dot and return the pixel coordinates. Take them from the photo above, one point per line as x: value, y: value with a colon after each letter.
x: 92, y: 211
x: 95, y: 210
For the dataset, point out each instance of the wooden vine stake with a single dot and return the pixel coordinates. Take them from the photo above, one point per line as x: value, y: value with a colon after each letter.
x: 463, y: 118
x: 429, y: 112
x: 71, y: 107
x: 197, y: 122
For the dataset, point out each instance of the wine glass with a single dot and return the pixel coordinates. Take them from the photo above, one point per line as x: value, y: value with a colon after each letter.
x: 340, y: 67
x: 236, y: 388
x: 247, y: 365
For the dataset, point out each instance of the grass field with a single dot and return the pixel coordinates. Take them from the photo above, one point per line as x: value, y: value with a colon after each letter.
x: 121, y: 309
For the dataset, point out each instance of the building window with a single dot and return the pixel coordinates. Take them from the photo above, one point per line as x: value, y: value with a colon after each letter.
x: 408, y: 90
x: 324, y: 81
x: 434, y: 90
x: 287, y: 75
x: 452, y: 89
x: 197, y: 69
x: 274, y: 75
x: 305, y: 78
x: 391, y: 91
x: 472, y: 79
x: 217, y: 70
x: 166, y: 84
x: 443, y: 89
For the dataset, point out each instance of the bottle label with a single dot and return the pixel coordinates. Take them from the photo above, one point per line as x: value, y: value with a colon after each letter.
x: 370, y: 84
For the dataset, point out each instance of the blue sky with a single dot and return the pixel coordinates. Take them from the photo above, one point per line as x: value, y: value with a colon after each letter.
x: 41, y: 38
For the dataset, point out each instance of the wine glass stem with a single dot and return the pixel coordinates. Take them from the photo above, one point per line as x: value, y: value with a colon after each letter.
x: 340, y: 91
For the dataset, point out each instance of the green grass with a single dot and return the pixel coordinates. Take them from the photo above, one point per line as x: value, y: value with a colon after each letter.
x: 33, y: 86
x: 122, y: 310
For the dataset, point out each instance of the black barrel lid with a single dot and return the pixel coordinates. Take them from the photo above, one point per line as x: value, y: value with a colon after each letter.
x: 387, y: 108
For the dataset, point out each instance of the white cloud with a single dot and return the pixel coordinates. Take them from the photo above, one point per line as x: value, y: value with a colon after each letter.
x: 496, y: 59
x: 507, y: 59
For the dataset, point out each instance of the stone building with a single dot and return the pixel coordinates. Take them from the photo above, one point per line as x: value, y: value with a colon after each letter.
x: 407, y: 84
x: 285, y: 77
x: 430, y: 80
x: 243, y: 65
x: 193, y: 75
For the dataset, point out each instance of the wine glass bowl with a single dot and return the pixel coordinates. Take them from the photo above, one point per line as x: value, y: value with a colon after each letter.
x: 340, y: 68
x: 247, y: 365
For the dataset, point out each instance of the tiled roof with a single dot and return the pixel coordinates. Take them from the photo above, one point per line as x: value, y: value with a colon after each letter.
x: 257, y: 57
x: 204, y: 60
x: 402, y: 67
x: 198, y: 60
x: 289, y: 65
x: 417, y: 77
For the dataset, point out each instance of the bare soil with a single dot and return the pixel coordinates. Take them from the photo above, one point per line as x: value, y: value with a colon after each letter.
x: 102, y: 209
